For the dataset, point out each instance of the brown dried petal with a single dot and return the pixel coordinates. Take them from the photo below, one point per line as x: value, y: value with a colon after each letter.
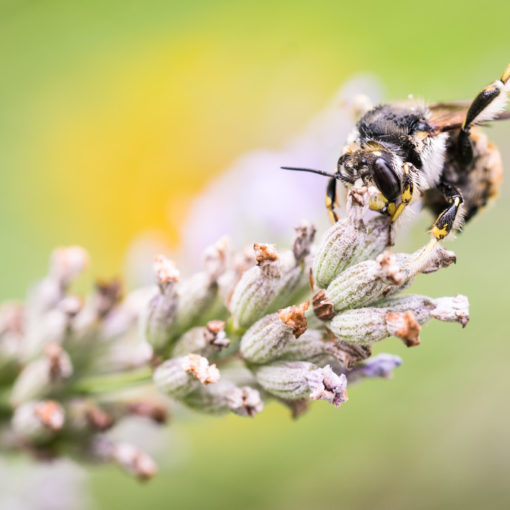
x: 200, y: 368
x: 405, y: 326
x: 214, y: 335
x: 98, y: 419
x: 323, y: 307
x: 264, y: 253
x: 294, y: 317
x: 51, y: 414
x: 152, y: 410
x: 303, y: 239
x: 390, y: 268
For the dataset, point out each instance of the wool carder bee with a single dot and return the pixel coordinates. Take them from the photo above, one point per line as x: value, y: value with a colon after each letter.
x: 434, y: 153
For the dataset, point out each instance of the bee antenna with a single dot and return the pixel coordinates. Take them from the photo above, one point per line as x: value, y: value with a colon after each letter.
x: 313, y: 171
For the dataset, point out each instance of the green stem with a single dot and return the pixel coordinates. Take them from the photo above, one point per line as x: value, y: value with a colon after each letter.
x: 112, y: 382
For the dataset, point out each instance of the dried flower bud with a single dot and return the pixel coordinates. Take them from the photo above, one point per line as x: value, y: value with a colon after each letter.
x: 98, y: 419
x: 256, y: 289
x: 130, y: 458
x: 311, y: 346
x: 369, y: 325
x: 39, y: 377
x: 349, y: 240
x: 381, y: 365
x: 11, y: 318
x: 371, y: 280
x: 303, y: 239
x: 300, y: 379
x: 265, y: 254
x: 293, y: 282
x: 201, y: 369
x: 67, y: 263
x: 178, y: 377
x: 286, y: 380
x: 215, y: 336
x: 206, y: 341
x: 38, y: 421
x: 446, y: 309
x: 452, y: 309
x: 157, y: 323
x: 198, y: 296
x: 107, y: 296
x: 326, y: 385
x: 245, y: 401
x: 267, y: 338
x: 294, y: 317
x: 363, y: 283
x: 155, y: 411
x: 215, y: 259
x: 210, y: 399
x: 166, y: 272
x: 323, y: 307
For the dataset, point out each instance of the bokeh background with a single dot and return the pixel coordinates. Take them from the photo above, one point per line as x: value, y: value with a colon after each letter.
x: 114, y: 115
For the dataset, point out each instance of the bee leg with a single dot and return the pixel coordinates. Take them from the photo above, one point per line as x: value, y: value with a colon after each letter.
x: 486, y: 105
x: 331, y: 199
x: 381, y: 205
x: 407, y: 192
x: 445, y: 221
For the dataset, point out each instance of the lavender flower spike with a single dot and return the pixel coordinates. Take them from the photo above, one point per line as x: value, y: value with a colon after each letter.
x: 292, y: 326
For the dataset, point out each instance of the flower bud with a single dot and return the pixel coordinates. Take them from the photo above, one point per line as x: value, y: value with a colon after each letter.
x: 215, y: 258
x: 178, y: 377
x: 257, y: 288
x: 39, y: 377
x: 206, y: 341
x: 107, y: 296
x: 299, y: 379
x: 365, y: 282
x: 159, y: 317
x: 130, y: 458
x: 267, y: 338
x: 312, y: 346
x: 349, y: 240
x: 347, y: 243
x: 38, y: 421
x: 223, y: 397
x: 198, y: 295
x: 369, y: 325
x: 67, y: 263
x: 371, y: 280
x: 245, y: 401
x: 326, y: 385
x: 446, y: 309
x: 303, y: 239
x: 149, y: 408
x: 11, y: 338
x: 293, y: 282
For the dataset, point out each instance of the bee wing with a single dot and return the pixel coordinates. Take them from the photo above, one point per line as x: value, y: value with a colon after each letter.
x: 449, y: 116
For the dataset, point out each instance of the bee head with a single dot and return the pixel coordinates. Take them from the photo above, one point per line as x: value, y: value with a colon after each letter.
x: 373, y: 166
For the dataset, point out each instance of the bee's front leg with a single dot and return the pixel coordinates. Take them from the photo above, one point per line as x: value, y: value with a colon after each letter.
x: 331, y: 199
x: 380, y: 204
x: 446, y: 220
x: 407, y: 192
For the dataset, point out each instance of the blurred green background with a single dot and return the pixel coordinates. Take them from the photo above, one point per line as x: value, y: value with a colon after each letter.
x: 114, y: 114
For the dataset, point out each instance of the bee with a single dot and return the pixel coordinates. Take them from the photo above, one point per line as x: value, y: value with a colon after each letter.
x: 434, y: 153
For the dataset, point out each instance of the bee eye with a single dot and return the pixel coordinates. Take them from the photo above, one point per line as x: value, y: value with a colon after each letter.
x: 385, y: 179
